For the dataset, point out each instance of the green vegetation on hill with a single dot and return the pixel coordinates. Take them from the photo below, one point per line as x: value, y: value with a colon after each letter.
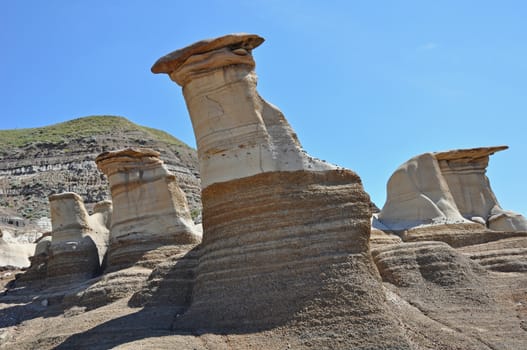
x: 78, y: 128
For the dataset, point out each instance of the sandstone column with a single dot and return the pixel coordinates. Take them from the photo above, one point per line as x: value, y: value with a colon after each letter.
x: 285, y: 235
x: 73, y: 253
x: 150, y: 216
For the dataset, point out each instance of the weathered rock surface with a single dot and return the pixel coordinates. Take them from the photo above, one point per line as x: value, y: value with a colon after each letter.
x: 505, y: 255
x: 73, y: 253
x: 286, y: 236
x: 238, y: 133
x: 418, y: 194
x: 150, y: 211
x: 446, y: 188
x: 448, y: 301
x: 100, y: 222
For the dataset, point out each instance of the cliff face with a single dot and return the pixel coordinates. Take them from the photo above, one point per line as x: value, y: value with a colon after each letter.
x: 38, y: 162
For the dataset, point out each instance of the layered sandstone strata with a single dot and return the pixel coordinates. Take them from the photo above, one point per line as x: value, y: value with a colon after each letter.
x: 73, y: 253
x: 150, y: 212
x: 446, y: 188
x: 448, y: 301
x: 286, y: 236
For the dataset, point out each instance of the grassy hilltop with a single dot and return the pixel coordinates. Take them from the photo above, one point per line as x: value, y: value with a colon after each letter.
x: 78, y: 128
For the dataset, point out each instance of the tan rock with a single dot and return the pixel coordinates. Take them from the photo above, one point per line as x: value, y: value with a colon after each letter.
x: 283, y: 232
x: 464, y: 172
x: 418, y: 194
x: 14, y: 254
x: 43, y: 244
x: 174, y: 60
x: 149, y: 209
x: 508, y: 254
x: 506, y: 220
x: 36, y: 273
x: 76, y: 234
x: 446, y: 188
x: 447, y: 301
x: 100, y: 222
x: 238, y: 133
x: 285, y: 264
x: 73, y: 253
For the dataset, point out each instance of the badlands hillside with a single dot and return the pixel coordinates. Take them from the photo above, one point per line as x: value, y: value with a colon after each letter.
x: 289, y: 254
x: 38, y: 162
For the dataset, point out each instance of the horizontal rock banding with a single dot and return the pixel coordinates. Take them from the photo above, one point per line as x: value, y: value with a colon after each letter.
x: 269, y: 238
x: 505, y: 255
x: 469, y: 307
x: 289, y: 249
x: 286, y: 235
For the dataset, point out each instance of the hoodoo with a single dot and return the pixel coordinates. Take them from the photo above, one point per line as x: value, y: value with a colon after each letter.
x: 286, y: 236
x: 73, y: 251
x: 150, y: 212
x: 238, y: 133
x: 446, y: 188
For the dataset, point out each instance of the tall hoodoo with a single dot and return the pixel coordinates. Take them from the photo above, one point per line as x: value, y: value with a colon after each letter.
x: 238, y: 133
x: 285, y: 235
x: 150, y: 212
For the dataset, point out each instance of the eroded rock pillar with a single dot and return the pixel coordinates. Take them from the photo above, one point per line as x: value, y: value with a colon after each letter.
x: 73, y: 253
x: 445, y: 188
x: 150, y: 213
x: 285, y: 235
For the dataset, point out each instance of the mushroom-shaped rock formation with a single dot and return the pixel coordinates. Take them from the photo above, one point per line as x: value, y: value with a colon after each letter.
x: 446, y: 188
x: 73, y: 253
x: 286, y: 236
x: 150, y: 212
x: 238, y: 133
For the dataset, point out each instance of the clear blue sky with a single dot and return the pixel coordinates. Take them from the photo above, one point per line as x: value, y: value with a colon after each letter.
x: 365, y: 84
